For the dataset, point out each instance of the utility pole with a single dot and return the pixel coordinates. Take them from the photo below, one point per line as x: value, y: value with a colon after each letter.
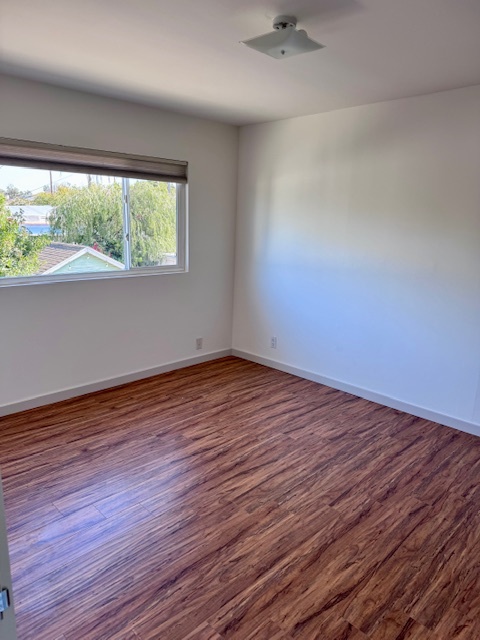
x: 51, y: 183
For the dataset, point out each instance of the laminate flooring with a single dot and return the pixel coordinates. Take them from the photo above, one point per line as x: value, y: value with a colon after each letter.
x: 232, y: 501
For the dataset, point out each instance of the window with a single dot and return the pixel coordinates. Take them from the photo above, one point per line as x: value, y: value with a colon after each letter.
x: 73, y: 214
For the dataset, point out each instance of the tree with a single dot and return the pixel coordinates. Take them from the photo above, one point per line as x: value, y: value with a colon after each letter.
x: 153, y: 221
x: 19, y: 250
x: 44, y: 197
x: 93, y: 216
x: 90, y: 216
x: 15, y: 196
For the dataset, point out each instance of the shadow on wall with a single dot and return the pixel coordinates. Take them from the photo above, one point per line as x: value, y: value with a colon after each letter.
x: 359, y: 231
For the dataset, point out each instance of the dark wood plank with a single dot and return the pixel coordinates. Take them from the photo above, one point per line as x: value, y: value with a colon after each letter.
x: 204, y: 632
x: 232, y: 501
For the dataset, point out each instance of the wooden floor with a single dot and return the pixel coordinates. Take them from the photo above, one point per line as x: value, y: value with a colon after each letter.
x: 229, y: 500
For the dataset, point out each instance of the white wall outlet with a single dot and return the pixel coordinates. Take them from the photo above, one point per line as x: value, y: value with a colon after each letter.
x: 273, y: 342
x: 199, y: 343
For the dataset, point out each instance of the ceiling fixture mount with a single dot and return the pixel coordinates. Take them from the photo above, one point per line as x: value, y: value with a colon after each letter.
x: 285, y: 41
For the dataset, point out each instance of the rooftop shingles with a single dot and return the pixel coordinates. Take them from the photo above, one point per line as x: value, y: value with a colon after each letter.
x: 55, y: 253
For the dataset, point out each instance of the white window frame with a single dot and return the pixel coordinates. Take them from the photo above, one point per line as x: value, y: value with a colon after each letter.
x: 128, y: 272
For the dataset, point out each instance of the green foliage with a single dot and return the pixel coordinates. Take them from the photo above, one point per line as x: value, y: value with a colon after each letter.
x: 19, y: 251
x: 93, y: 216
x: 15, y: 196
x: 153, y: 224
x: 43, y: 198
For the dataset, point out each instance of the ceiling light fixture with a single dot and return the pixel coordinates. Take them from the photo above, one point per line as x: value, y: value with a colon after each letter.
x: 285, y: 41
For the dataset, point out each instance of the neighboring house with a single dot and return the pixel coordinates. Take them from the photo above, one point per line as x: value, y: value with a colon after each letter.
x: 61, y: 257
x: 36, y: 218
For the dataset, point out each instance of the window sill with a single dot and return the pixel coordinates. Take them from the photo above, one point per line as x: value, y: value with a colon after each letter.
x: 20, y: 281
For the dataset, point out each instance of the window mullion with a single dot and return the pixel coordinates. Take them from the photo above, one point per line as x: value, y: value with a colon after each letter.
x: 126, y: 223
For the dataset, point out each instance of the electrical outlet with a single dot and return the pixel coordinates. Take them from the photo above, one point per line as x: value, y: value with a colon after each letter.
x: 273, y: 342
x: 199, y: 343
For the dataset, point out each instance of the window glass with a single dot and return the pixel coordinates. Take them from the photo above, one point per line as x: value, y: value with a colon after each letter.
x: 55, y: 223
x: 153, y: 223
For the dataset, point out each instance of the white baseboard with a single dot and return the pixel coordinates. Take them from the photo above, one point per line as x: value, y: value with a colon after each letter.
x: 100, y: 385
x: 421, y: 412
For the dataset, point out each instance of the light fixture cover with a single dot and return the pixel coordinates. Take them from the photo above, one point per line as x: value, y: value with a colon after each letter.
x: 284, y: 42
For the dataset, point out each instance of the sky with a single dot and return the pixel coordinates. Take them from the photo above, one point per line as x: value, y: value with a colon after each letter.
x: 34, y: 179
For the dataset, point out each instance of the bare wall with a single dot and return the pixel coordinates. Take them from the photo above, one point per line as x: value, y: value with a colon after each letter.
x: 358, y: 246
x: 58, y: 336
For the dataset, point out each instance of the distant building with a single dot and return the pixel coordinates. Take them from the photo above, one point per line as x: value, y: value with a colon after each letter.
x: 36, y: 218
x: 61, y: 257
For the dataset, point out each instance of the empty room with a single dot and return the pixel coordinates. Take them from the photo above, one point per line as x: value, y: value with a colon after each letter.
x: 240, y: 320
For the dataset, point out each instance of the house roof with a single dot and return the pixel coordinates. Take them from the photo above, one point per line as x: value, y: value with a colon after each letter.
x: 55, y: 253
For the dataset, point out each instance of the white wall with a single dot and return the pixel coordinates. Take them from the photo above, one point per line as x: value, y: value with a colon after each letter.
x: 358, y: 246
x: 57, y: 336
